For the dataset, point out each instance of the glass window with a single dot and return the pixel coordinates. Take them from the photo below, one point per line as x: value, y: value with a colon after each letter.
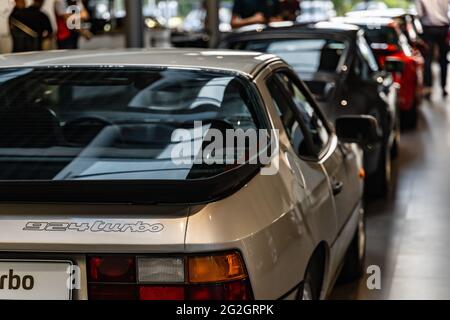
x: 306, y: 56
x: 381, y: 34
x: 114, y: 123
x: 387, y: 35
x: 302, y: 122
x: 289, y: 119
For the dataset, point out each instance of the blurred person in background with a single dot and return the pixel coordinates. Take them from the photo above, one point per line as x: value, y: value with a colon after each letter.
x: 19, y: 5
x: 39, y: 22
x: 17, y: 35
x: 248, y: 12
x: 435, y: 20
x: 289, y: 9
x: 68, y: 32
x: 29, y: 26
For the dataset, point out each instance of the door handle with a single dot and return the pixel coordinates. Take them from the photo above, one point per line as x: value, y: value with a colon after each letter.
x: 337, y: 187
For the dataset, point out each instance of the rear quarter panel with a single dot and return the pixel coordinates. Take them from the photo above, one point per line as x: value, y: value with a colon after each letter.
x: 262, y: 223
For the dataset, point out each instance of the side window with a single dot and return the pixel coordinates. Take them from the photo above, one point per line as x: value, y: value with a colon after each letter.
x: 307, y: 130
x: 290, y: 121
x: 311, y: 119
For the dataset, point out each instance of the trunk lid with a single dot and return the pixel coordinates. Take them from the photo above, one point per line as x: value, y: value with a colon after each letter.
x: 79, y: 228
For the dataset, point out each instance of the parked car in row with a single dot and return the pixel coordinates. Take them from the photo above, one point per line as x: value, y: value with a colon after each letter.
x: 408, y: 22
x: 339, y: 68
x: 106, y: 167
x: 390, y: 43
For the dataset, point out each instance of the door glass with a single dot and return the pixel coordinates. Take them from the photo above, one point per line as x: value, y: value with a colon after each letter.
x: 289, y: 119
x: 311, y: 119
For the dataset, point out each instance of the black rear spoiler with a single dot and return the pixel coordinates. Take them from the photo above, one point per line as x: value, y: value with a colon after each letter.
x: 195, y: 191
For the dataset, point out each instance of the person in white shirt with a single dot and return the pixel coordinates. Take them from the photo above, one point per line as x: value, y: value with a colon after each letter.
x: 435, y: 20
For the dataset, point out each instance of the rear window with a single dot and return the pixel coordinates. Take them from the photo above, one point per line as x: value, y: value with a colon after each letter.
x: 306, y: 56
x: 116, y: 123
x: 381, y: 34
x: 387, y: 36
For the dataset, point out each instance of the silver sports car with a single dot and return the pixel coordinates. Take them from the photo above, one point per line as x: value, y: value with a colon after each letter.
x: 170, y: 174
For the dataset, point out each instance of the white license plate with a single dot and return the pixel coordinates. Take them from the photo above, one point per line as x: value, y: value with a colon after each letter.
x: 35, y: 280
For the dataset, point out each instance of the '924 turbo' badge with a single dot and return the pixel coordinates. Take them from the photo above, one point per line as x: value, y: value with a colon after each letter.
x: 96, y: 226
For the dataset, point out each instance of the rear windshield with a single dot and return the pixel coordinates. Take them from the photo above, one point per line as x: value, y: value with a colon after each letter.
x: 381, y: 34
x: 306, y: 56
x: 116, y: 123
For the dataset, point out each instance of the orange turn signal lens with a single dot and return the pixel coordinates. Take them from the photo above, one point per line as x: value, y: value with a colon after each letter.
x: 217, y: 268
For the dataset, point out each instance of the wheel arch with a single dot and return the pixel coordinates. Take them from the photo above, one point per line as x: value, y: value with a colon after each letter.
x: 320, y: 259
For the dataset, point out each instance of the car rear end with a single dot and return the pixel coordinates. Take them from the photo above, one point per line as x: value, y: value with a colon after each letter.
x: 60, y: 245
x: 100, y: 183
x: 389, y: 43
x: 103, y: 257
x: 318, y: 56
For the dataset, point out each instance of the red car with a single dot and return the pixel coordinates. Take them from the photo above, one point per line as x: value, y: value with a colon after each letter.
x: 389, y: 42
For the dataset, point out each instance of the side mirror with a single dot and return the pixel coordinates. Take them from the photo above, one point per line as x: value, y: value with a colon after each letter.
x: 394, y: 65
x: 358, y: 129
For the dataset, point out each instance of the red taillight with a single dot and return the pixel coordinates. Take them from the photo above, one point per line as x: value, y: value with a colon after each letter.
x: 392, y: 48
x: 206, y: 277
x: 205, y: 293
x: 112, y: 269
x: 161, y: 293
x: 112, y: 292
x: 236, y: 290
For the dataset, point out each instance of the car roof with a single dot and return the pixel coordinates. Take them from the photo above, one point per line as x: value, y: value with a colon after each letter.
x: 362, y: 20
x: 336, y: 27
x: 259, y: 31
x: 388, y: 13
x: 243, y: 62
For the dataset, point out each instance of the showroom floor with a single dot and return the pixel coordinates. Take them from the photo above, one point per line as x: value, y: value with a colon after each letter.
x: 409, y: 233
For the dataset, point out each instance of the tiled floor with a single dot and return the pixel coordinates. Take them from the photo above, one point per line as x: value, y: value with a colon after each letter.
x: 409, y: 233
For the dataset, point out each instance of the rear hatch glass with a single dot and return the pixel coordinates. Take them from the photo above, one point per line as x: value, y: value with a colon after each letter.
x: 381, y: 34
x: 112, y: 124
x: 307, y: 56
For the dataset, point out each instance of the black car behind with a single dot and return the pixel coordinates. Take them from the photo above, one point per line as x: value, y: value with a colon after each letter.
x: 339, y: 68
